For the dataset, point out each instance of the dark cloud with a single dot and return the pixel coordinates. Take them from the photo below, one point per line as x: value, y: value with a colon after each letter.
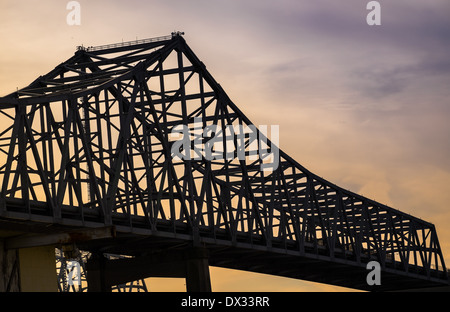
x: 374, y: 81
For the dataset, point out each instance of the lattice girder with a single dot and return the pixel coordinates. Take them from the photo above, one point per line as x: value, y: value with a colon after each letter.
x: 92, y: 141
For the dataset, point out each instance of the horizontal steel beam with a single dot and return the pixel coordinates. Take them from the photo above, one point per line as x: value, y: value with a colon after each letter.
x: 33, y: 240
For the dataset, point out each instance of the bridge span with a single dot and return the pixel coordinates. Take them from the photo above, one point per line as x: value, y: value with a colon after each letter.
x: 134, y: 149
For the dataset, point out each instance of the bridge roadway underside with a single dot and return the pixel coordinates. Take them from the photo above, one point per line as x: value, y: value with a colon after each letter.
x: 165, y: 254
x: 168, y: 255
x: 273, y: 263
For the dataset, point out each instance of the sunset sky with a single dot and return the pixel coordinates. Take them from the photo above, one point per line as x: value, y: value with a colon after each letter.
x: 366, y: 107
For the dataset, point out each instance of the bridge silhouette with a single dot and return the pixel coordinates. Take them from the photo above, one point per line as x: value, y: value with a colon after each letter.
x: 87, y: 162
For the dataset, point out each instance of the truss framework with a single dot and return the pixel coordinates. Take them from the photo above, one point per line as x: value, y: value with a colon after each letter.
x: 71, y: 272
x: 90, y: 143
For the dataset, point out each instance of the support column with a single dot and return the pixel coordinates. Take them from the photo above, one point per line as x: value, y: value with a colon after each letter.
x: 96, y: 274
x: 197, y: 271
x: 9, y: 270
x: 37, y: 269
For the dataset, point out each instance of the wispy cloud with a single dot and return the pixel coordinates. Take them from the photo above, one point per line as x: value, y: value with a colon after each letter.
x: 365, y: 106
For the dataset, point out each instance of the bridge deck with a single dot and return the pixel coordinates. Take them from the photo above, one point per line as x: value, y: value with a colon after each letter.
x: 281, y: 258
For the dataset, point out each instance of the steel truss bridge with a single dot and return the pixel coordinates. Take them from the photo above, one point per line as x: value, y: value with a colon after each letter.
x: 87, y: 158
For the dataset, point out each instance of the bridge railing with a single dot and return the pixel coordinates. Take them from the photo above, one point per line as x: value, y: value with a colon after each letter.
x: 124, y: 44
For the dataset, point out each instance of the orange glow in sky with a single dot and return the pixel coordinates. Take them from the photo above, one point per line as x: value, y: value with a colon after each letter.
x: 366, y: 107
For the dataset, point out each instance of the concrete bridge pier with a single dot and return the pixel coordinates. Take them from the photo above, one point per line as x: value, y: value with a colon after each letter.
x: 197, y: 271
x: 191, y: 264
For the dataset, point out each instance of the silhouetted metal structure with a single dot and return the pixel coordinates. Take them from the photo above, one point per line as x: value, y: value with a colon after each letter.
x: 71, y: 271
x: 89, y: 146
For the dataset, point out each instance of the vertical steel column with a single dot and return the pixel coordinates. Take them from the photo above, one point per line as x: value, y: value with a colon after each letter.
x: 197, y: 271
x: 96, y: 274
